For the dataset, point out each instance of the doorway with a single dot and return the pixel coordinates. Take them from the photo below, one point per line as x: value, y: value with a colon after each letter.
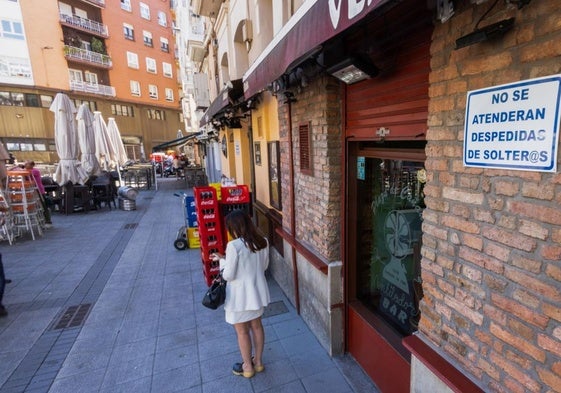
x: 385, y: 201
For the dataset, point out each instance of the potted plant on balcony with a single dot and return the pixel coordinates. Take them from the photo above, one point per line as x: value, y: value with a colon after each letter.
x: 97, y: 46
x: 72, y: 39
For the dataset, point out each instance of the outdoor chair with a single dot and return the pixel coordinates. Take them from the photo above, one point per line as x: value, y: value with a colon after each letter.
x: 77, y: 198
x: 103, y: 191
x: 53, y: 193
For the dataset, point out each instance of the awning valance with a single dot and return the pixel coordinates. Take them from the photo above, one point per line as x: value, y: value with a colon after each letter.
x: 225, y: 99
x: 314, y: 23
x: 175, y: 142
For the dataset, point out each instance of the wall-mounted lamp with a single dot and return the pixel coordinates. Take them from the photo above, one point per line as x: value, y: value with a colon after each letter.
x: 289, y: 97
x: 253, y: 102
x: 352, y: 70
x: 444, y: 10
x: 485, y: 33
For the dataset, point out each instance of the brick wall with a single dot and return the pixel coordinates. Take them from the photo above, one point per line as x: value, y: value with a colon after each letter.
x: 317, y: 203
x: 318, y: 197
x: 492, y: 238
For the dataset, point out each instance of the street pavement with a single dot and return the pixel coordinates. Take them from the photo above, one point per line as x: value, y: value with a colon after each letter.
x: 103, y: 302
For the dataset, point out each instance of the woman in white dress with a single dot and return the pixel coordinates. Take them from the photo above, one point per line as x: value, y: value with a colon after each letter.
x: 247, y: 292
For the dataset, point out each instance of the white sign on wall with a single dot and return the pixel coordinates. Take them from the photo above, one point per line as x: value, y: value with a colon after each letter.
x: 514, y: 126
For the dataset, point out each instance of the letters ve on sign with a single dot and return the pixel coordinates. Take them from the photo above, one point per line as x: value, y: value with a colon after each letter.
x: 354, y: 8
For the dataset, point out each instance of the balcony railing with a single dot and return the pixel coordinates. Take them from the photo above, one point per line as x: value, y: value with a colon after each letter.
x: 84, y: 24
x: 92, y: 88
x: 79, y: 54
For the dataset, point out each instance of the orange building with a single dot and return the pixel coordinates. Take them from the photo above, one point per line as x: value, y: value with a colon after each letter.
x: 118, y: 57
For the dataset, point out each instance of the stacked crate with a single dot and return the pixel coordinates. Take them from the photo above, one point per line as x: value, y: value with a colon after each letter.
x: 192, y: 223
x: 234, y: 198
x: 210, y: 230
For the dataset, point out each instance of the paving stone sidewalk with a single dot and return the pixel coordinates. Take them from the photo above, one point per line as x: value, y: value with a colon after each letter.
x: 103, y: 302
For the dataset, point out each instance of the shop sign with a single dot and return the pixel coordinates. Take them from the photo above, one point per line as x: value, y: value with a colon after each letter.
x: 514, y: 126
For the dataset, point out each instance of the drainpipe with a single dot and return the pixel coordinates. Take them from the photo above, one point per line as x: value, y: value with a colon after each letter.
x: 251, y: 155
x: 289, y: 100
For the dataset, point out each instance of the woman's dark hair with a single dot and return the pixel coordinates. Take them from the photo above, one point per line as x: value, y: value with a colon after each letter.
x: 240, y: 226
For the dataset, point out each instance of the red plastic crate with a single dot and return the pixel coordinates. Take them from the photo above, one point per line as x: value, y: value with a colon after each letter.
x: 213, y: 240
x: 205, y: 197
x: 235, y: 194
x: 210, y: 275
x: 207, y: 213
x: 227, y: 208
x: 211, y: 266
x: 210, y: 227
x: 206, y: 251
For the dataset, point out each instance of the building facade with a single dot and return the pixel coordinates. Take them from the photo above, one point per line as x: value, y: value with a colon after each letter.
x: 118, y: 58
x: 428, y: 251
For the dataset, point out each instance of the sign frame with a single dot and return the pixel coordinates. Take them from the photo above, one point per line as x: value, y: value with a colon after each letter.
x: 514, y: 126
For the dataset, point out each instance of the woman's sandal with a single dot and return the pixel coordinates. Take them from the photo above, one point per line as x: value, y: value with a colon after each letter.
x: 258, y: 369
x: 238, y: 370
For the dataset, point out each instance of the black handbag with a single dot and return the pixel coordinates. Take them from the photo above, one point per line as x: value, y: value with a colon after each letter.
x: 216, y: 294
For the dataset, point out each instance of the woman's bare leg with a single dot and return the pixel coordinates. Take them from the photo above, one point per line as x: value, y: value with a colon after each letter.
x: 258, y: 334
x: 244, y: 342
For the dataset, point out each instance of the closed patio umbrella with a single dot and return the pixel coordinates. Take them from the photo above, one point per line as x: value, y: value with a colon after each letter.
x: 86, y: 138
x: 66, y: 142
x: 115, y: 136
x: 120, y: 156
x: 103, y: 146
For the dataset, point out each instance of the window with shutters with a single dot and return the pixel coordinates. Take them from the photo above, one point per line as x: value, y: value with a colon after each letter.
x: 162, y: 18
x: 144, y: 11
x: 164, y: 44
x: 153, y: 91
x: 135, y: 88
x: 169, y: 94
x: 126, y: 5
x: 151, y: 65
x: 167, y: 69
x: 132, y: 60
x: 304, y: 133
x: 147, y: 36
x: 128, y: 30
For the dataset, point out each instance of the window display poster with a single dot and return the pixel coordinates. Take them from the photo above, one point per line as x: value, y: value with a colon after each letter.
x: 274, y: 175
x: 360, y: 168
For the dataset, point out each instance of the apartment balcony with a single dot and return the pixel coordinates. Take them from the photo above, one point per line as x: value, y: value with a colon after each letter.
x: 97, y: 3
x: 88, y: 57
x: 85, y: 87
x: 200, y: 91
x: 208, y: 8
x: 196, y: 52
x: 197, y: 31
x: 86, y: 25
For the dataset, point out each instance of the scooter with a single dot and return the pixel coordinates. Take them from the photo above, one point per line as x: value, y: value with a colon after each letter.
x: 168, y: 170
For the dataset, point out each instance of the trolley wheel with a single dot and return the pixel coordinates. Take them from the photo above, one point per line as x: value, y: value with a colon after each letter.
x: 180, y: 244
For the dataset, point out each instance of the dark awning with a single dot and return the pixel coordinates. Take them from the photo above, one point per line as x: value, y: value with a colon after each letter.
x: 225, y: 99
x: 314, y: 23
x: 175, y: 142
